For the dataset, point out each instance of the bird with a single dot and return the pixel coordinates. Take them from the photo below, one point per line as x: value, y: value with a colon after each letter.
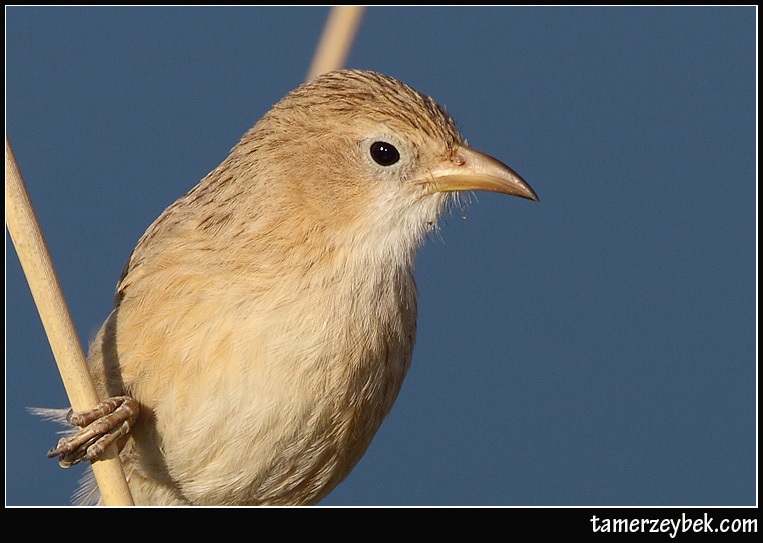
x: 265, y: 321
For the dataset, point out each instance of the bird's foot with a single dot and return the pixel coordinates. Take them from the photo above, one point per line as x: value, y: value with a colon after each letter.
x: 101, y: 426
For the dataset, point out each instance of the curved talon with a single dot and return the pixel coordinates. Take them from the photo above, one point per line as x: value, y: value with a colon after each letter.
x: 101, y: 426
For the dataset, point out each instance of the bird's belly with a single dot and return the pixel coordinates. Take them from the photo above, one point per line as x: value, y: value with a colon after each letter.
x: 278, y: 433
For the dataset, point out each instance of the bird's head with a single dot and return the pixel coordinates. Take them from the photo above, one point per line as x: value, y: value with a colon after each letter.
x: 367, y: 153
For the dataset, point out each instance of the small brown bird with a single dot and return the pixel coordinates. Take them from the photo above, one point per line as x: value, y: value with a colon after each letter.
x: 265, y: 321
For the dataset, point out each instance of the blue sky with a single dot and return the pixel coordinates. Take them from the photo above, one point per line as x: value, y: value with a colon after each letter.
x: 596, y: 348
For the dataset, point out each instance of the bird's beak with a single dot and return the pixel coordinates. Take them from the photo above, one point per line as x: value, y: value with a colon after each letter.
x: 467, y: 169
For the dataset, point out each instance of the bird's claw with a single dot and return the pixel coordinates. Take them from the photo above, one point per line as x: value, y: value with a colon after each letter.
x: 101, y: 426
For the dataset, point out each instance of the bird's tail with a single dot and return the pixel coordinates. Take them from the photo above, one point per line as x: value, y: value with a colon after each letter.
x: 87, y: 493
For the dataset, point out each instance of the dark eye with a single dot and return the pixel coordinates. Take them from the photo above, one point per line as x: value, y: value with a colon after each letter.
x: 384, y: 153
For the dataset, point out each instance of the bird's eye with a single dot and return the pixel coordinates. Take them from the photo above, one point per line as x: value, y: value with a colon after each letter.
x: 384, y: 154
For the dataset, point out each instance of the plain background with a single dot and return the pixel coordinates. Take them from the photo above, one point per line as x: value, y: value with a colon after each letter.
x: 596, y: 348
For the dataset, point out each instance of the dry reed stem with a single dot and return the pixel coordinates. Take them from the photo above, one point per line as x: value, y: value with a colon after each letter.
x: 33, y: 254
x: 338, y: 34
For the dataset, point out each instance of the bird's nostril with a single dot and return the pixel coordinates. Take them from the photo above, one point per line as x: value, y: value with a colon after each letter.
x: 458, y: 159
